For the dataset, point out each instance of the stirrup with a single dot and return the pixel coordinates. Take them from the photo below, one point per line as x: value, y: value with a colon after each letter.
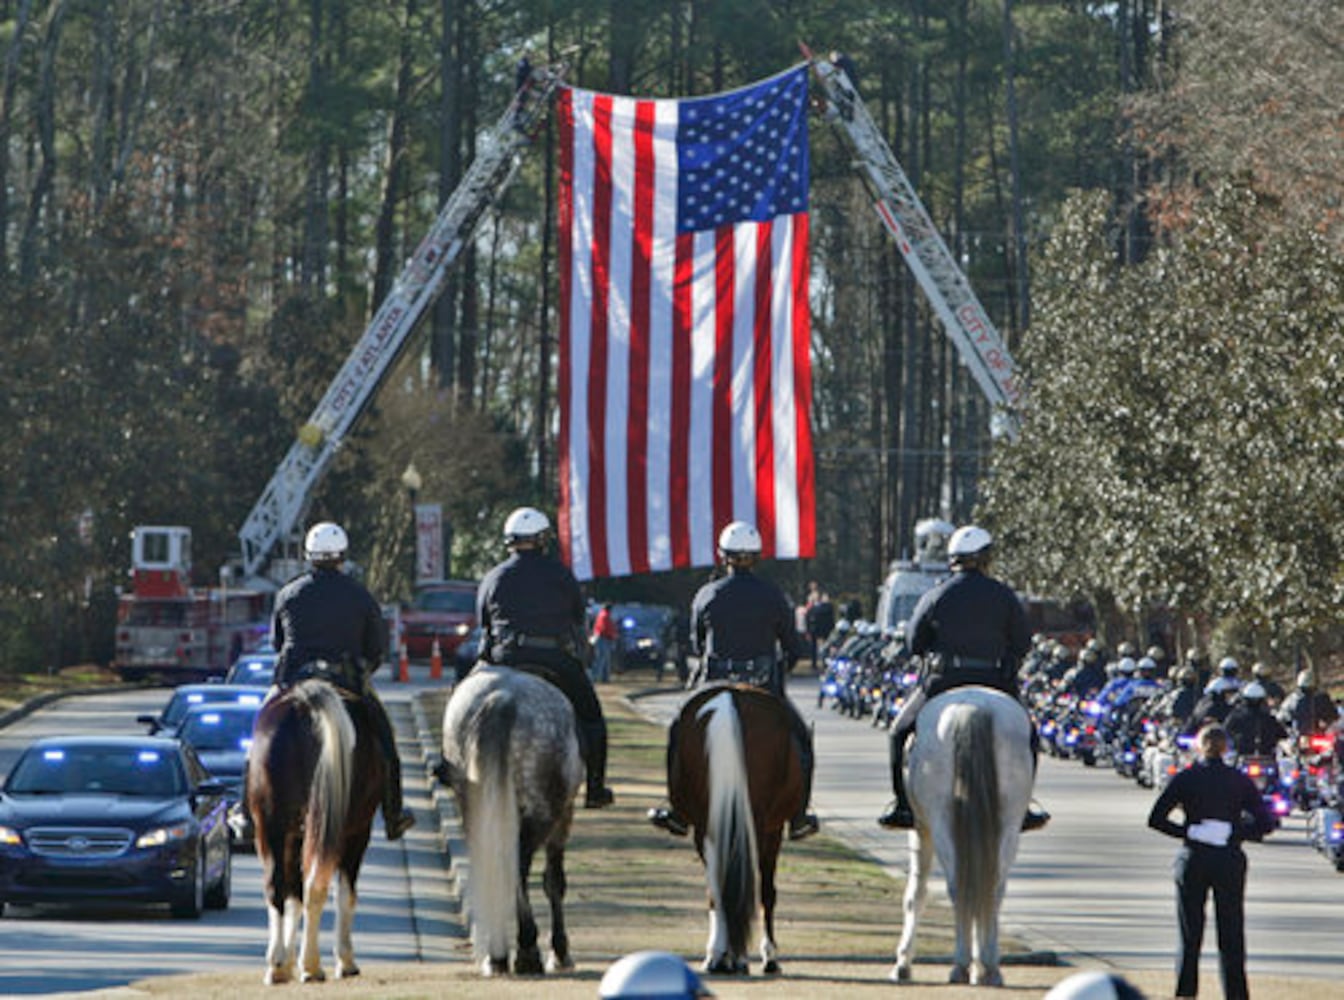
x: 240, y: 823
x: 397, y: 826
x: 803, y: 826
x: 666, y: 819
x: 1035, y: 819
x: 898, y: 816
x: 598, y: 796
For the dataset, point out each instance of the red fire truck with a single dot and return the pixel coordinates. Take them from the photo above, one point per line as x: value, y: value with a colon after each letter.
x: 168, y: 628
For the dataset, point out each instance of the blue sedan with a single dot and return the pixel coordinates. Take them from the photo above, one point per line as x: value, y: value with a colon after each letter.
x: 114, y: 819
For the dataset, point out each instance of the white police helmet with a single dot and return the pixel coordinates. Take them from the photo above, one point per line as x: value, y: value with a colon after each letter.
x: 1221, y: 685
x: 1126, y: 666
x: 740, y: 538
x: 969, y: 540
x: 653, y: 975
x: 525, y: 523
x: 1094, y: 986
x: 1254, y: 691
x: 326, y: 541
x: 1228, y: 665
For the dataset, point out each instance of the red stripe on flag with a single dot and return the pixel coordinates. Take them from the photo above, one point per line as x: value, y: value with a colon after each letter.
x: 802, y: 391
x: 565, y: 107
x: 764, y: 399
x: 597, y: 370
x: 723, y: 429
x: 637, y: 427
x: 679, y: 508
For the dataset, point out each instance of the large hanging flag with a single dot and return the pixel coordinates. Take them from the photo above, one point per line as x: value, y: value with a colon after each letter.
x: 685, y: 378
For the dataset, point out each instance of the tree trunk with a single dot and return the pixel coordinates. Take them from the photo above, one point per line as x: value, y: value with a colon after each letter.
x: 313, y: 266
x: 45, y: 114
x: 622, y: 38
x: 443, y: 336
x: 543, y: 421
x: 385, y: 244
x: 1023, y: 317
x: 470, y: 311
x: 11, y: 76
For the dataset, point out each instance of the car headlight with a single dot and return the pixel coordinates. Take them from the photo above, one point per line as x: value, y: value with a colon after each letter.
x: 462, y: 629
x: 164, y: 835
x: 646, y: 643
x: 10, y: 836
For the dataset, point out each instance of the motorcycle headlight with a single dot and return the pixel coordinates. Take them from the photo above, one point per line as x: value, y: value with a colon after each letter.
x: 164, y: 835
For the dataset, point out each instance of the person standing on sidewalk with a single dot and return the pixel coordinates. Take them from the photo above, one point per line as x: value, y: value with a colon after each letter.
x: 604, y: 644
x: 1222, y: 808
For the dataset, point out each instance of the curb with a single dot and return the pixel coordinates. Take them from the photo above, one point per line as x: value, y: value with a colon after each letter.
x: 452, y: 838
x: 42, y: 700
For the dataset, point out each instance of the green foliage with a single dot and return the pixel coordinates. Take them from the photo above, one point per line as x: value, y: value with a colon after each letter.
x: 1181, y: 447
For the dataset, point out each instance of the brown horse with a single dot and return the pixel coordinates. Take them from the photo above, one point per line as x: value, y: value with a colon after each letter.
x: 314, y: 782
x: 735, y: 774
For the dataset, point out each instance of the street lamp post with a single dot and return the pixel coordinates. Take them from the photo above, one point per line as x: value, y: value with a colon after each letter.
x: 412, y: 481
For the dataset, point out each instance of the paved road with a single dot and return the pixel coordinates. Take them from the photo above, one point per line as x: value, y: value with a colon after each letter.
x: 1096, y: 883
x: 406, y: 911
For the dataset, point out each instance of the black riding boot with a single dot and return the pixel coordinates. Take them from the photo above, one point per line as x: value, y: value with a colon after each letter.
x: 665, y: 817
x: 804, y: 823
x: 396, y: 817
x: 595, y: 757
x: 899, y: 815
x: 1037, y: 817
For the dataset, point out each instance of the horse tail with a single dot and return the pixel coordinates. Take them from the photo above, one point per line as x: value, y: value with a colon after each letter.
x: 730, y: 832
x: 329, y: 800
x: 976, y: 817
x: 491, y: 816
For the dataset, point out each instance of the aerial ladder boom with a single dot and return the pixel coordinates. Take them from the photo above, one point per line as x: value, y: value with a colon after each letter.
x: 284, y: 502
x: 981, y: 348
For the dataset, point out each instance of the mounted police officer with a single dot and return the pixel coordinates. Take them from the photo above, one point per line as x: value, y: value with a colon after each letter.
x: 532, y: 618
x: 327, y: 625
x: 975, y: 629
x: 737, y: 621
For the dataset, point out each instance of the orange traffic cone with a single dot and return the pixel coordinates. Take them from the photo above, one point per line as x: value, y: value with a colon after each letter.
x: 435, y: 661
x: 404, y: 666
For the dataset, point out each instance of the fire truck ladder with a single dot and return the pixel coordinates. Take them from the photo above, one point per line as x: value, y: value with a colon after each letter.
x: 981, y: 348
x: 285, y: 500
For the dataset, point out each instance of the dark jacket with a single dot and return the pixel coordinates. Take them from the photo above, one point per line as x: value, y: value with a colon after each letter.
x: 530, y: 594
x: 1253, y: 731
x: 742, y: 616
x: 1309, y: 711
x: 1210, y: 790
x: 325, y: 615
x: 972, y: 619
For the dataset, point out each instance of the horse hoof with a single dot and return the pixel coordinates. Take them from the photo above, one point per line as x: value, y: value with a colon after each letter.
x: 899, y: 973
x: 495, y: 966
x: 527, y: 963
x: 721, y: 966
x: 347, y: 971
x: 771, y: 968
x: 276, y: 977
x: 315, y: 976
x: 958, y: 976
x: 559, y: 963
x: 988, y: 978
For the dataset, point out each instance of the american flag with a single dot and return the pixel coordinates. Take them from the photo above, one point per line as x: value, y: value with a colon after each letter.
x: 685, y: 378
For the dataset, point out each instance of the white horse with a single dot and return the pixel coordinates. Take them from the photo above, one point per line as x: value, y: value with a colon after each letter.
x: 970, y: 780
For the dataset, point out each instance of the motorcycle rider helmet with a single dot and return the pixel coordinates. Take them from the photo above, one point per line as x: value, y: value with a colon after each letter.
x: 326, y: 542
x: 1187, y: 675
x: 526, y: 524
x: 1254, y: 691
x: 651, y: 974
x: 1221, y: 686
x: 1125, y: 649
x: 739, y: 538
x: 1259, y: 670
x: 1228, y: 666
x: 1094, y: 986
x: 1096, y: 645
x: 1157, y: 653
x: 1194, y: 655
x: 1090, y: 656
x: 1147, y: 666
x: 842, y: 626
x: 967, y: 543
x: 1126, y: 666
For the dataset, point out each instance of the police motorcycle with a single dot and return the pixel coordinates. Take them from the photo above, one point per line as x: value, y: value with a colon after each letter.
x: 1325, y: 822
x: 899, y: 673
x: 1267, y: 776
x: 830, y: 657
x: 1311, y: 769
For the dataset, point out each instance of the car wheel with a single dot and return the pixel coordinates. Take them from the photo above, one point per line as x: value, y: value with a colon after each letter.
x: 218, y: 896
x: 190, y: 900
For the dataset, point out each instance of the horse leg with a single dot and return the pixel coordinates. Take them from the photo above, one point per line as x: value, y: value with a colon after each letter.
x: 553, y: 881
x: 314, y: 900
x: 281, y: 914
x: 528, y: 961
x: 717, y: 958
x: 346, y: 898
x: 987, y: 944
x: 769, y: 848
x: 916, y: 892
